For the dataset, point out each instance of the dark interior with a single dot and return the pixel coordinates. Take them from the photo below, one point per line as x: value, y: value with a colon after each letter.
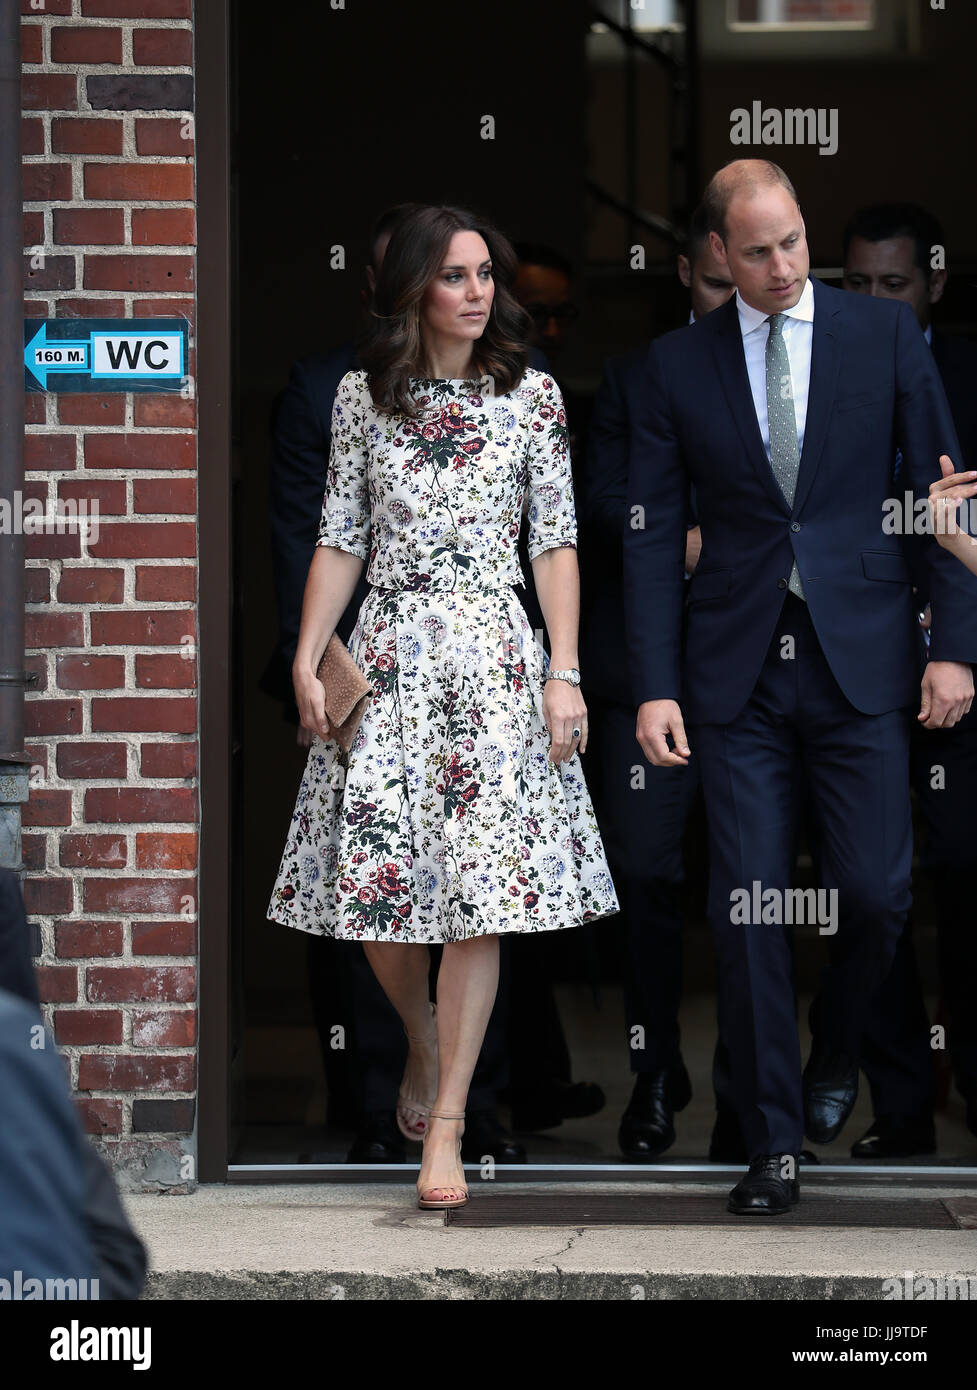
x: 340, y: 113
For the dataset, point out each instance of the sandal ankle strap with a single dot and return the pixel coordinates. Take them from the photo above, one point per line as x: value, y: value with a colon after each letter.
x: 446, y: 1114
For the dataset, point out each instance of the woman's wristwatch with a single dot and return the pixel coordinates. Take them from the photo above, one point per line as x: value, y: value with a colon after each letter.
x: 573, y: 676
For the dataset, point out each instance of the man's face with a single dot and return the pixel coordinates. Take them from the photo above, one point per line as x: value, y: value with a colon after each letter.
x: 544, y: 293
x: 709, y: 283
x: 887, y: 270
x: 765, y: 251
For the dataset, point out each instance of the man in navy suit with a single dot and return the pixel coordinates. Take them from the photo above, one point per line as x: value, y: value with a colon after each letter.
x: 889, y: 251
x: 785, y: 409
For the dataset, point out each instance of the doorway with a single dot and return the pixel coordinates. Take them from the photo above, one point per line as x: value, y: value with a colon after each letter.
x: 311, y: 164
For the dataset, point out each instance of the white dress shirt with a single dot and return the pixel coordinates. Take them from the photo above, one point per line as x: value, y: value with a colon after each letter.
x: 798, y: 330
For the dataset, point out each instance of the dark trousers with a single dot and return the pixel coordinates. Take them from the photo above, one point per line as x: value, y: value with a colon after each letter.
x: 857, y: 768
x: 897, y: 1055
x: 643, y: 812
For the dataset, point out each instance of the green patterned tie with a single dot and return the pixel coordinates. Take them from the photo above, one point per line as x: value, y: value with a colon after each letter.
x: 784, y: 454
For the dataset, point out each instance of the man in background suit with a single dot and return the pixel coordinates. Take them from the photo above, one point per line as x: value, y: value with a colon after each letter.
x: 889, y: 250
x: 642, y: 827
x: 343, y: 987
x: 784, y: 409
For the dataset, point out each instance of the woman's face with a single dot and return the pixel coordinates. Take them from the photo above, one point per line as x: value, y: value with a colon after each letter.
x: 456, y: 303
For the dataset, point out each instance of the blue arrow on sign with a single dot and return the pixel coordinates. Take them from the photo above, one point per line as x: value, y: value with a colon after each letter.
x: 66, y: 355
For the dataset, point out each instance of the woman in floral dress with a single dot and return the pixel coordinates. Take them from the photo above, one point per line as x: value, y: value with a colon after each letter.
x: 462, y: 811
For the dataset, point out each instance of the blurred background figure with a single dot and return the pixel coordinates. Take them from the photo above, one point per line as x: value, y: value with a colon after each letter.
x: 544, y: 287
x: 542, y: 1092
x: 643, y: 826
x: 60, y: 1214
x: 898, y: 251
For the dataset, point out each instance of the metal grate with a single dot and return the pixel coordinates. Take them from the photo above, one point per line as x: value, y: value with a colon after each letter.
x: 650, y: 1209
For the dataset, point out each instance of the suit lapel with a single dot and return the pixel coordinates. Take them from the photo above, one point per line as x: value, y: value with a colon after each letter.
x: 825, y: 359
x: 731, y: 361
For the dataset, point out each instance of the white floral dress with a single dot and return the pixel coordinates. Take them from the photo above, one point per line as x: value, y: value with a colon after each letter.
x: 449, y: 821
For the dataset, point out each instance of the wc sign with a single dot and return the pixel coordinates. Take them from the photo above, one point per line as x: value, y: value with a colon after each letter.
x: 105, y: 354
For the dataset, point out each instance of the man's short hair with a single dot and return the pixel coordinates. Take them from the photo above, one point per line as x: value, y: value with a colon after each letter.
x: 385, y: 225
x: 885, y: 221
x: 697, y: 235
x: 723, y: 187
x: 535, y: 253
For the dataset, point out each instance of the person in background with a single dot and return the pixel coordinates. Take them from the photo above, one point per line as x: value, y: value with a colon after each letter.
x: 542, y: 1092
x: 897, y: 251
x: 644, y: 826
x: 363, y: 1078
x: 60, y: 1213
x: 544, y: 287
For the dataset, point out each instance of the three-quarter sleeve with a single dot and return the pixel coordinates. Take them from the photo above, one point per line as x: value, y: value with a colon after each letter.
x: 345, y: 520
x: 551, y: 514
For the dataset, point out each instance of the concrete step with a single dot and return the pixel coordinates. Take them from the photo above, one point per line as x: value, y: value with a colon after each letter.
x: 370, y: 1241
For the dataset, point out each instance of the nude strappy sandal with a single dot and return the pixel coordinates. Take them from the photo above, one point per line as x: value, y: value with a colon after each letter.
x: 443, y: 1203
x: 410, y: 1102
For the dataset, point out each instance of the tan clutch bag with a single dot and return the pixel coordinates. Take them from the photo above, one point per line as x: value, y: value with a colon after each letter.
x: 348, y: 692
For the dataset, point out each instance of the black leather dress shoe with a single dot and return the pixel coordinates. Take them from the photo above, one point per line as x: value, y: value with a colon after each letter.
x: 830, y: 1086
x: 647, y: 1127
x: 555, y: 1102
x: 378, y: 1141
x: 484, y: 1137
x: 764, y: 1191
x: 896, y: 1136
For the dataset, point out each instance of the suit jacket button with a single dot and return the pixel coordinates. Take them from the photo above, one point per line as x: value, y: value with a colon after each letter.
x: 795, y: 525
x: 781, y: 583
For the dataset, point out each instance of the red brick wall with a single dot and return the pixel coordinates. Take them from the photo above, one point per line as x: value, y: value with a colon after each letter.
x: 110, y: 830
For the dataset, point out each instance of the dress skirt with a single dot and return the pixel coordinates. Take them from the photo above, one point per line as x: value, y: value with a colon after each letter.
x: 449, y: 821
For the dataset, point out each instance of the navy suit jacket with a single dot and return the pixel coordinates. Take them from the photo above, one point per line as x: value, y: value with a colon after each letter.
x: 604, y: 493
x: 874, y: 388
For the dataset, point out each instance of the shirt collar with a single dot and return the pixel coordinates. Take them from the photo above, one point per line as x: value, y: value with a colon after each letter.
x: 928, y: 334
x: 752, y: 319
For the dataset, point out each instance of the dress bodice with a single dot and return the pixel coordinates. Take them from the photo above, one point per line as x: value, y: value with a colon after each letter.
x: 437, y: 502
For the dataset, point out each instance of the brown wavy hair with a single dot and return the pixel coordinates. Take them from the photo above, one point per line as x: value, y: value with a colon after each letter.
x: 391, y: 350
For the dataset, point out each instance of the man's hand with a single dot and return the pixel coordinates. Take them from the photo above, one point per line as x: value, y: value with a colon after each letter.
x: 657, y: 719
x: 693, y: 548
x: 947, y: 694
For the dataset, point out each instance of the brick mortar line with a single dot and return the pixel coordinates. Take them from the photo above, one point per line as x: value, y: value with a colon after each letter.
x: 102, y: 21
x: 126, y: 832
x: 126, y: 67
